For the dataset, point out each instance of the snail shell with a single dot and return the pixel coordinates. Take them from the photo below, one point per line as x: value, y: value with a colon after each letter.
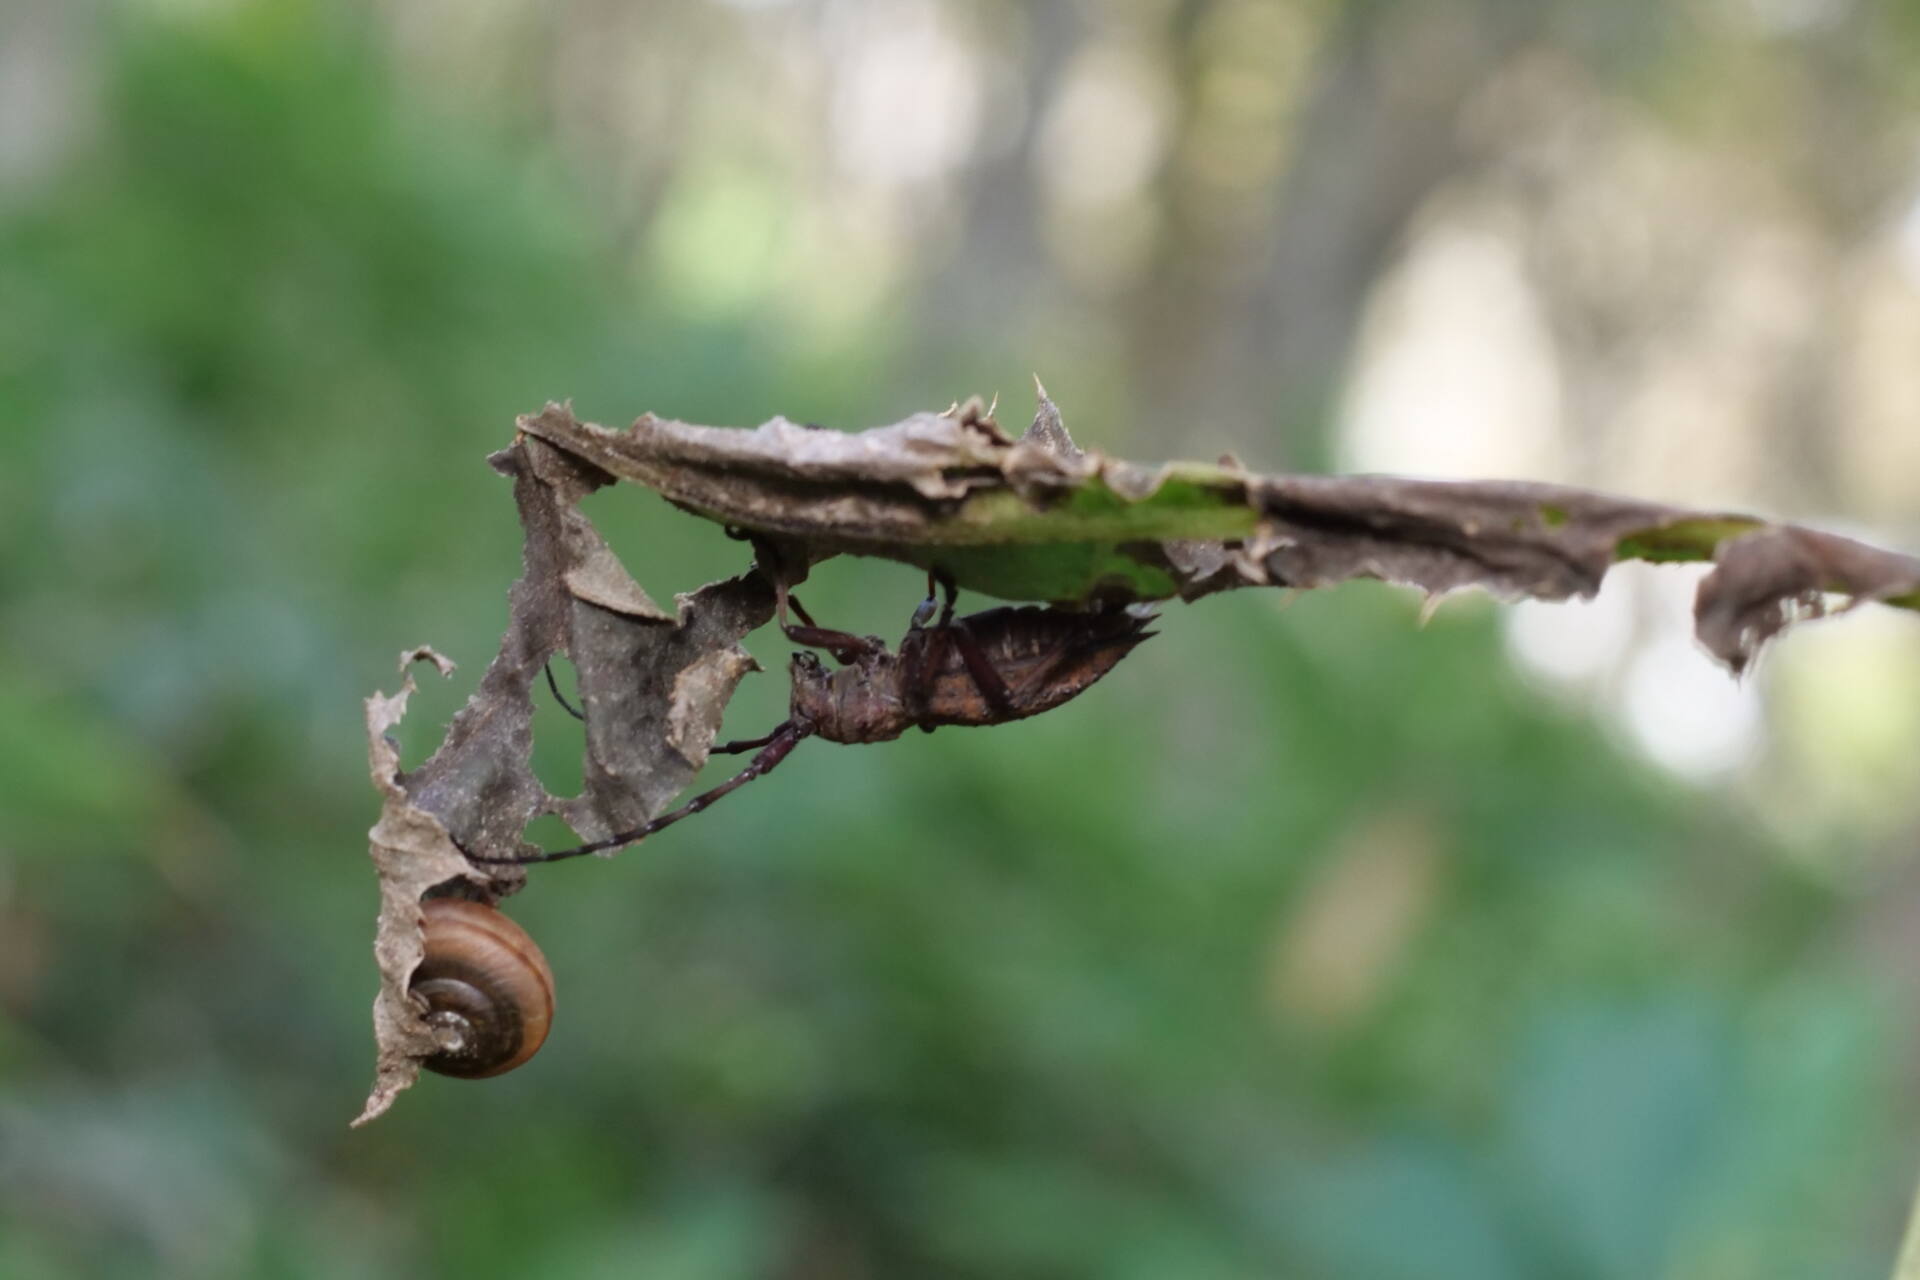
x: 485, y: 980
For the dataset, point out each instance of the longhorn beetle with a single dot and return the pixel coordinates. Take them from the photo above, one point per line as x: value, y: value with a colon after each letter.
x: 986, y: 668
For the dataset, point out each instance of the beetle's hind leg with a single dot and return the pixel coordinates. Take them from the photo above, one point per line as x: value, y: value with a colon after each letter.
x: 981, y: 668
x: 922, y: 662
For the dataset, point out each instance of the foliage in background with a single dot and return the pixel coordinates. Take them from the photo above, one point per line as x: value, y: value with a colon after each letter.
x: 1311, y: 943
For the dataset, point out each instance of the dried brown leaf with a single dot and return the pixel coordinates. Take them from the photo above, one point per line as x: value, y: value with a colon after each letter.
x: 411, y: 853
x: 1512, y: 538
x: 653, y: 684
x: 1032, y: 518
x: 1771, y: 577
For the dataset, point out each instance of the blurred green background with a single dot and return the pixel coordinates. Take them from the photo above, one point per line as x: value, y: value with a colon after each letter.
x: 1316, y: 942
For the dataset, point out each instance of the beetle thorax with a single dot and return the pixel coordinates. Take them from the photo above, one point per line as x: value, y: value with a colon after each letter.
x: 856, y: 703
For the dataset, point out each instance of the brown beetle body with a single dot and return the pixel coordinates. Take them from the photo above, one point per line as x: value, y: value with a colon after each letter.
x: 1042, y: 658
x: 987, y: 668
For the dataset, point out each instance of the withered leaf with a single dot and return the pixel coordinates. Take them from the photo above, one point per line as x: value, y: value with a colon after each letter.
x: 411, y: 853
x: 652, y: 684
x: 1766, y: 579
x: 1027, y: 519
x: 1033, y: 518
x: 1037, y: 518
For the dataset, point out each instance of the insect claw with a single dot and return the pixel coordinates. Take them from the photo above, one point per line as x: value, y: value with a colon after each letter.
x: 922, y: 614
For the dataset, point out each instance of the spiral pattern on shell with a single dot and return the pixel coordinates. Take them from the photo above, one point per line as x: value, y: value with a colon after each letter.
x: 484, y: 979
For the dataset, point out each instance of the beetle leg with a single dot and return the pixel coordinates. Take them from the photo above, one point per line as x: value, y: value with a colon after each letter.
x: 920, y: 661
x: 925, y: 611
x: 743, y: 744
x: 846, y: 647
x: 936, y: 582
x: 924, y: 665
x: 980, y: 667
x: 952, y: 590
x: 787, y: 601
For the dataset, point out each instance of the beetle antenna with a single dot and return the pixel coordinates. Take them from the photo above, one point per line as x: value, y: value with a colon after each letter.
x: 781, y: 741
x: 560, y: 697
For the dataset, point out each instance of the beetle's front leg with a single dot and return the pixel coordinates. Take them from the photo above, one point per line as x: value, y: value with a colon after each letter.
x: 846, y: 647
